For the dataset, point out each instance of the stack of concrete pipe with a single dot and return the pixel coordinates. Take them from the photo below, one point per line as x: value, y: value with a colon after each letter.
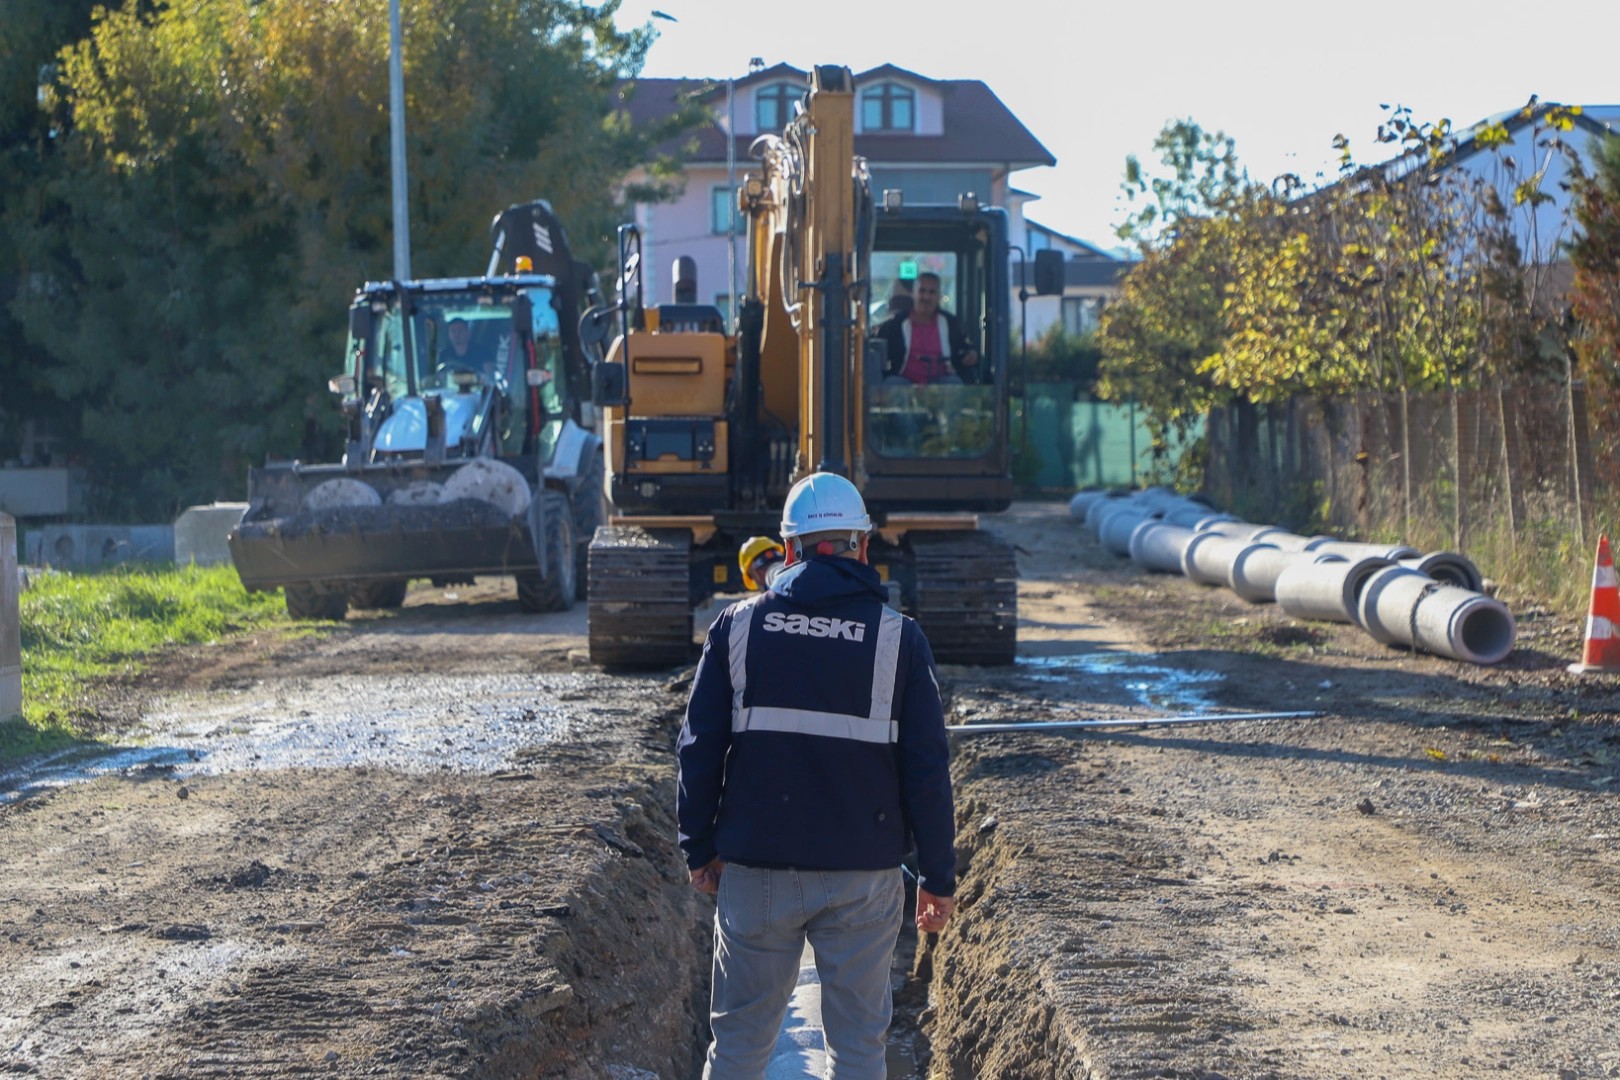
x: 1399, y: 595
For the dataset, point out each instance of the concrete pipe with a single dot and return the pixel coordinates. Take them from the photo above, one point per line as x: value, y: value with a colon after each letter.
x: 1188, y: 515
x: 1284, y: 539
x: 1388, y: 600
x: 1209, y: 521
x: 1116, y: 528
x: 1401, y: 606
x: 1448, y: 568
x: 1082, y: 502
x: 1157, y: 545
x: 1107, y: 503
x: 1207, y: 557
x: 1326, y: 591
x: 1256, y: 568
x: 1464, y: 625
x: 1352, y: 550
x: 1232, y: 527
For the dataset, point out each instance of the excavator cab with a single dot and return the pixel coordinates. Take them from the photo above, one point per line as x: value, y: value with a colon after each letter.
x: 938, y: 443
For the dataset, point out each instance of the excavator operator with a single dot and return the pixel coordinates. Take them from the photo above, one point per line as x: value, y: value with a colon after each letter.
x: 926, y: 345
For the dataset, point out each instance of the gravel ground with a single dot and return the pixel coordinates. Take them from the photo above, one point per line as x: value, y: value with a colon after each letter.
x: 439, y: 843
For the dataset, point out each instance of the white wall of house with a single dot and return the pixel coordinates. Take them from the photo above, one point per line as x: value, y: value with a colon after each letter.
x: 686, y: 227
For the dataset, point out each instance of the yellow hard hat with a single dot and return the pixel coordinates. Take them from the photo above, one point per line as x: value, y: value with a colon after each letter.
x: 753, y: 548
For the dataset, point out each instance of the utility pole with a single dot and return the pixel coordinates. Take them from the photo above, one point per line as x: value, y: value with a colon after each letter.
x: 396, y: 126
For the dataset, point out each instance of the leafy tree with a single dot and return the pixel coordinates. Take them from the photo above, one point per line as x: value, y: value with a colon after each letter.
x: 223, y: 185
x: 34, y: 32
x: 1596, y: 258
x: 1058, y: 355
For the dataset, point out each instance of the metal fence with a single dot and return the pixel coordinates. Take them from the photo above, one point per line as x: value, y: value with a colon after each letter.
x: 1073, y: 442
x: 1448, y: 465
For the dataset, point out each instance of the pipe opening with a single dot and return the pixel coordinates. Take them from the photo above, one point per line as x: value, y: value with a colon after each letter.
x: 1485, y: 631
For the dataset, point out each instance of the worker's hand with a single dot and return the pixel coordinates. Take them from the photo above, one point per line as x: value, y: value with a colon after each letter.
x: 706, y: 878
x: 933, y: 912
x: 970, y: 359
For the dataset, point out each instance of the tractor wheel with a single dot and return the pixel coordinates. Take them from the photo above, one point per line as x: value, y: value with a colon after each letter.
x: 553, y: 590
x: 587, y: 506
x: 378, y: 594
x: 322, y: 602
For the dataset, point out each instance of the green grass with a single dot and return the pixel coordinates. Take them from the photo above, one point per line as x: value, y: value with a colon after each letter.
x: 83, y: 627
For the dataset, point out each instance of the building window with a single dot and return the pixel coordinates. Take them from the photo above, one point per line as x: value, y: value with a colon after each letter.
x: 1082, y: 314
x: 888, y: 107
x: 773, y: 106
x: 722, y: 210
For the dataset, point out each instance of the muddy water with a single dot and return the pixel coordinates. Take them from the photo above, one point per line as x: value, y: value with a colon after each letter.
x: 413, y: 724
x: 1120, y: 683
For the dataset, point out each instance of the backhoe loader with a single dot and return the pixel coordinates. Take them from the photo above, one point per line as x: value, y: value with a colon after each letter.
x: 705, y: 430
x: 470, y: 451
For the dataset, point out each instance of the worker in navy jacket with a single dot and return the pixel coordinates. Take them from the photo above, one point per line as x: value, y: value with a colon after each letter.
x: 813, y: 755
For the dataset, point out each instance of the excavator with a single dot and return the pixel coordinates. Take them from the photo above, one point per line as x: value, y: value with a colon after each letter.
x: 704, y: 431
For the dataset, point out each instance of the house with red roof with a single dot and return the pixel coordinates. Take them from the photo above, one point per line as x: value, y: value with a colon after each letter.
x: 934, y: 140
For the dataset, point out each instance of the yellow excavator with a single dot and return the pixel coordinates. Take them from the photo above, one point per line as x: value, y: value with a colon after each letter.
x: 705, y: 431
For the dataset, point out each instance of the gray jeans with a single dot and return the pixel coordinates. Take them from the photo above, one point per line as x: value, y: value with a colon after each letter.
x: 851, y: 917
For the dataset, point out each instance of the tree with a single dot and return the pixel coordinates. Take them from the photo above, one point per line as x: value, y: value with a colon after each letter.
x: 35, y: 30
x: 223, y: 186
x: 1596, y: 295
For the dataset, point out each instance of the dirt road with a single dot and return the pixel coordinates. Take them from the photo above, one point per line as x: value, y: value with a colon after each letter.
x: 1424, y: 880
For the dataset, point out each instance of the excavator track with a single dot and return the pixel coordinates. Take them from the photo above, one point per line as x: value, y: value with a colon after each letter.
x: 640, y: 608
x: 967, y: 597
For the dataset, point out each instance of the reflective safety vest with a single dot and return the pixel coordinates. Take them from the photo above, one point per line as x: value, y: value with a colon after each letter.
x: 877, y: 725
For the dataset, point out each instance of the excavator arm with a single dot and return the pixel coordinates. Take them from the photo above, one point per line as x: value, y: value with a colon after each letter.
x: 808, y: 270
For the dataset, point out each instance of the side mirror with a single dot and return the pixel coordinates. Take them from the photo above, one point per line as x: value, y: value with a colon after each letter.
x: 610, y: 385
x: 360, y: 322
x: 1049, y: 273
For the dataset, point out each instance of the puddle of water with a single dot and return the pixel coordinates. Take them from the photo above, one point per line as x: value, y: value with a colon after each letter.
x: 472, y: 724
x: 1136, y: 679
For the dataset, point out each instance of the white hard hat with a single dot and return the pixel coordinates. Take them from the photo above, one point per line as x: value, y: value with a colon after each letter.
x: 824, y: 502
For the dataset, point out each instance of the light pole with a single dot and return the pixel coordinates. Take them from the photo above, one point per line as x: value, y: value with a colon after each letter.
x: 396, y: 133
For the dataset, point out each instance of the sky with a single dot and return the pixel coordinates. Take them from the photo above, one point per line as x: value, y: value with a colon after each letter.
x: 1097, y: 82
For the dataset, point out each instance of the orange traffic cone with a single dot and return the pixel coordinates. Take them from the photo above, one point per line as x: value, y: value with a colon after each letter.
x: 1603, y: 624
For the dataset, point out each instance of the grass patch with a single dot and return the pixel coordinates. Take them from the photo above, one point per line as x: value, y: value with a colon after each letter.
x: 82, y: 627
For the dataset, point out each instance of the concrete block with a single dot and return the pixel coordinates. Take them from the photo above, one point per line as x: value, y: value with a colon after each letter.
x: 84, y: 547
x: 47, y: 492
x: 200, y: 532
x: 10, y: 621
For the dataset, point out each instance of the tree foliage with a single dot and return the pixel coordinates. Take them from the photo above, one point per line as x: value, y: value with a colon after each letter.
x: 1398, y: 277
x: 221, y: 183
x: 1596, y: 258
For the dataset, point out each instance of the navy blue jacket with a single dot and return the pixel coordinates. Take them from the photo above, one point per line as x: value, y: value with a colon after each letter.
x: 829, y: 758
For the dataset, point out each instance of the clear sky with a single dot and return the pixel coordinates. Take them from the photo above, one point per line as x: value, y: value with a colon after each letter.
x: 1096, y: 82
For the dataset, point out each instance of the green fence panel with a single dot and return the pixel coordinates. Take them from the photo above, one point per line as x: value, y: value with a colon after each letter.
x: 1051, y: 432
x: 1086, y: 443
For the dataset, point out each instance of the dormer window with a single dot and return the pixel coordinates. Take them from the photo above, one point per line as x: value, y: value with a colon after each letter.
x: 888, y: 107
x: 773, y: 106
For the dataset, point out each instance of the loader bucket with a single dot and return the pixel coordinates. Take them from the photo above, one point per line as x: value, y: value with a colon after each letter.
x: 353, y: 544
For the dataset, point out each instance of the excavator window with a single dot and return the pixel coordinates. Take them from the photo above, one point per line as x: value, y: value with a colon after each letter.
x: 930, y: 388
